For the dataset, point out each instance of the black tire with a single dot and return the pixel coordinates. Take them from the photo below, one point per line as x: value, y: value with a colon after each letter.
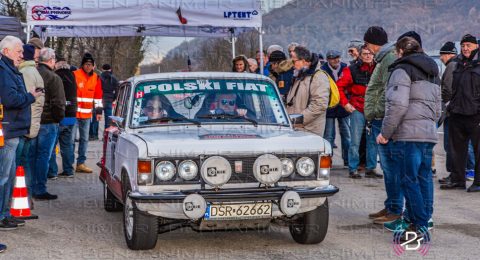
x: 110, y: 203
x: 142, y: 232
x: 312, y: 226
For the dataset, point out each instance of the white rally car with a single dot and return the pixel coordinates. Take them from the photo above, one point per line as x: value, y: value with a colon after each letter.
x: 212, y: 151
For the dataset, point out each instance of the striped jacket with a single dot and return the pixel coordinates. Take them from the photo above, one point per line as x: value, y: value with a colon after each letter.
x: 89, y: 93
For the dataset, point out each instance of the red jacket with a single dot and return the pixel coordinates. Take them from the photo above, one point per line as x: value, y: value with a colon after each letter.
x: 355, y: 85
x: 89, y: 93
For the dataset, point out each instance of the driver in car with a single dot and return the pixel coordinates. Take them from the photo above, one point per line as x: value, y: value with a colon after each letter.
x: 153, y: 108
x: 227, y: 104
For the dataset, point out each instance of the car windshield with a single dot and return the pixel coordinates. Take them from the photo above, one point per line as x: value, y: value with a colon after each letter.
x: 207, y: 101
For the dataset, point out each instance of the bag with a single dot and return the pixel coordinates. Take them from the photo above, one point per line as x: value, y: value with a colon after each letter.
x: 334, y: 99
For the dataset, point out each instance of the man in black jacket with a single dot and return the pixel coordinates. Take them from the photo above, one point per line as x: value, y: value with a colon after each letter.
x: 110, y: 89
x: 464, y: 119
x: 62, y: 68
x: 53, y: 113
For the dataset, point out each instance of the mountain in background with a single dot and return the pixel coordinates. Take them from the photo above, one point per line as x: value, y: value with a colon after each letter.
x: 330, y: 24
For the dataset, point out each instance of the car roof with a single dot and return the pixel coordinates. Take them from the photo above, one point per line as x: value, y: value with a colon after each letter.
x: 182, y: 75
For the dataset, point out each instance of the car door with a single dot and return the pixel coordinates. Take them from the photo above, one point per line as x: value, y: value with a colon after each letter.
x: 114, y: 132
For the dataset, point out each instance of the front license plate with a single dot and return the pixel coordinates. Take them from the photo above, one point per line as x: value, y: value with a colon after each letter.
x: 238, y: 211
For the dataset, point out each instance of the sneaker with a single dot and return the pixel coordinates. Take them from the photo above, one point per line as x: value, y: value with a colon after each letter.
x: 469, y: 174
x: 46, y: 196
x: 387, y: 218
x: 2, y: 248
x: 65, y: 175
x: 354, y: 175
x: 430, y: 224
x: 444, y: 180
x: 373, y: 174
x: 381, y: 213
x: 7, y: 225
x: 397, y: 225
x: 52, y: 178
x: 83, y: 168
x: 17, y: 221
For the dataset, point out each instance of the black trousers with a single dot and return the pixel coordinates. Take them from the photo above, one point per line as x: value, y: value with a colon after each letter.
x: 460, y: 130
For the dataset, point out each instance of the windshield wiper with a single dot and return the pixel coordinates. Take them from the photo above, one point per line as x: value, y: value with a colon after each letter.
x: 229, y: 116
x: 173, y: 119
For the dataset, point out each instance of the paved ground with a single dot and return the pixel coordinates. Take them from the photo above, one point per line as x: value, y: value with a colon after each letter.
x: 76, y: 227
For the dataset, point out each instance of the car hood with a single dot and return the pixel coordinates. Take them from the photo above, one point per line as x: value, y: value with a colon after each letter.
x: 233, y: 141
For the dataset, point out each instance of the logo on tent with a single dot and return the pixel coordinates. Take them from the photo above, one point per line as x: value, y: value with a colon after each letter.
x: 40, y: 12
x: 240, y: 15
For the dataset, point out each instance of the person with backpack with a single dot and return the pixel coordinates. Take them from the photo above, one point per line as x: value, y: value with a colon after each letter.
x: 310, y: 92
x: 354, y: 81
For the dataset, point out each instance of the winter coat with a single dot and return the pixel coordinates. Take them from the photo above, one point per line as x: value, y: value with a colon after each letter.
x: 375, y: 94
x: 466, y: 86
x: 109, y: 86
x: 447, y: 80
x: 70, y: 88
x: 15, y: 99
x: 354, y: 83
x: 413, y: 100
x: 310, y: 97
x: 283, y: 77
x: 338, y: 111
x: 33, y: 80
x: 89, y: 94
x: 54, y: 107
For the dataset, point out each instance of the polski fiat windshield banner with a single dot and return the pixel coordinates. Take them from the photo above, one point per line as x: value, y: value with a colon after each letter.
x: 144, y: 12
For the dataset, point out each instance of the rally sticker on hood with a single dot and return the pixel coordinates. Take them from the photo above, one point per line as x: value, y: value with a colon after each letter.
x: 228, y: 136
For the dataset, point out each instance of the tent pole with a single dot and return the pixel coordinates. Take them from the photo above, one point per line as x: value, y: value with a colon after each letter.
x: 28, y: 32
x: 260, y: 40
x: 233, y: 47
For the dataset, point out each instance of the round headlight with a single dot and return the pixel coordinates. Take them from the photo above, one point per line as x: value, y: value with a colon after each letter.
x: 287, y: 167
x: 165, y: 170
x: 188, y: 170
x: 305, y: 166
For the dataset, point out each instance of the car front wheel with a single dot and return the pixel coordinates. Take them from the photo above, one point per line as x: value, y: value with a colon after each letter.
x: 141, y: 229
x: 311, y: 227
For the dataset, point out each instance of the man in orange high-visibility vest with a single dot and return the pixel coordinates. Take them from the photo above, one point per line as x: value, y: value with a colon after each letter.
x: 89, y: 97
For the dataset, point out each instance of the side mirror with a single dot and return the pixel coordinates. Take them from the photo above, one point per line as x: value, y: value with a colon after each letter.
x: 117, y: 121
x: 297, y: 119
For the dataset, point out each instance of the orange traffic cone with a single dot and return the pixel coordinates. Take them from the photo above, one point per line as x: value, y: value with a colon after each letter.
x: 20, y: 205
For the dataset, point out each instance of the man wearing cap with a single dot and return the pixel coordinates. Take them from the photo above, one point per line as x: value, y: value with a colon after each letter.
x: 334, y: 67
x: 89, y: 97
x: 53, y: 112
x: 376, y: 40
x: 464, y: 115
x: 38, y: 44
x: 281, y: 72
x: 16, y: 103
x: 33, y: 80
x: 354, y: 50
x: 110, y: 90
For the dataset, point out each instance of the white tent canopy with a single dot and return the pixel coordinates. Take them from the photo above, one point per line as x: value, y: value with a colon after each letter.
x: 113, y: 18
x: 103, y: 18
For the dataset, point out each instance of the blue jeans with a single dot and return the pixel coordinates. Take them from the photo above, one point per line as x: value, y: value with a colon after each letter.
x: 67, y: 148
x: 387, y: 153
x: 23, y: 150
x: 107, y: 111
x: 471, y: 155
x: 93, y: 132
x: 414, y: 166
x: 83, y: 125
x: 329, y: 135
x: 7, y: 175
x: 357, y: 127
x: 40, y: 154
x: 52, y: 164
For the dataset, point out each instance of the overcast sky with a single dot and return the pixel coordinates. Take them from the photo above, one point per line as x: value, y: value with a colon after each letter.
x: 157, y: 47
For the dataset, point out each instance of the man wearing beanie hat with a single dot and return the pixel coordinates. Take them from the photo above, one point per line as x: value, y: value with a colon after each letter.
x: 33, y: 80
x: 89, y: 97
x: 412, y: 34
x: 374, y: 109
x: 281, y: 72
x: 464, y: 115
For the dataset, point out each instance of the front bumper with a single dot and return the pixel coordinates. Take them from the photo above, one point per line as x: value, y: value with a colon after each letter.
x: 250, y: 194
x: 170, y: 204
